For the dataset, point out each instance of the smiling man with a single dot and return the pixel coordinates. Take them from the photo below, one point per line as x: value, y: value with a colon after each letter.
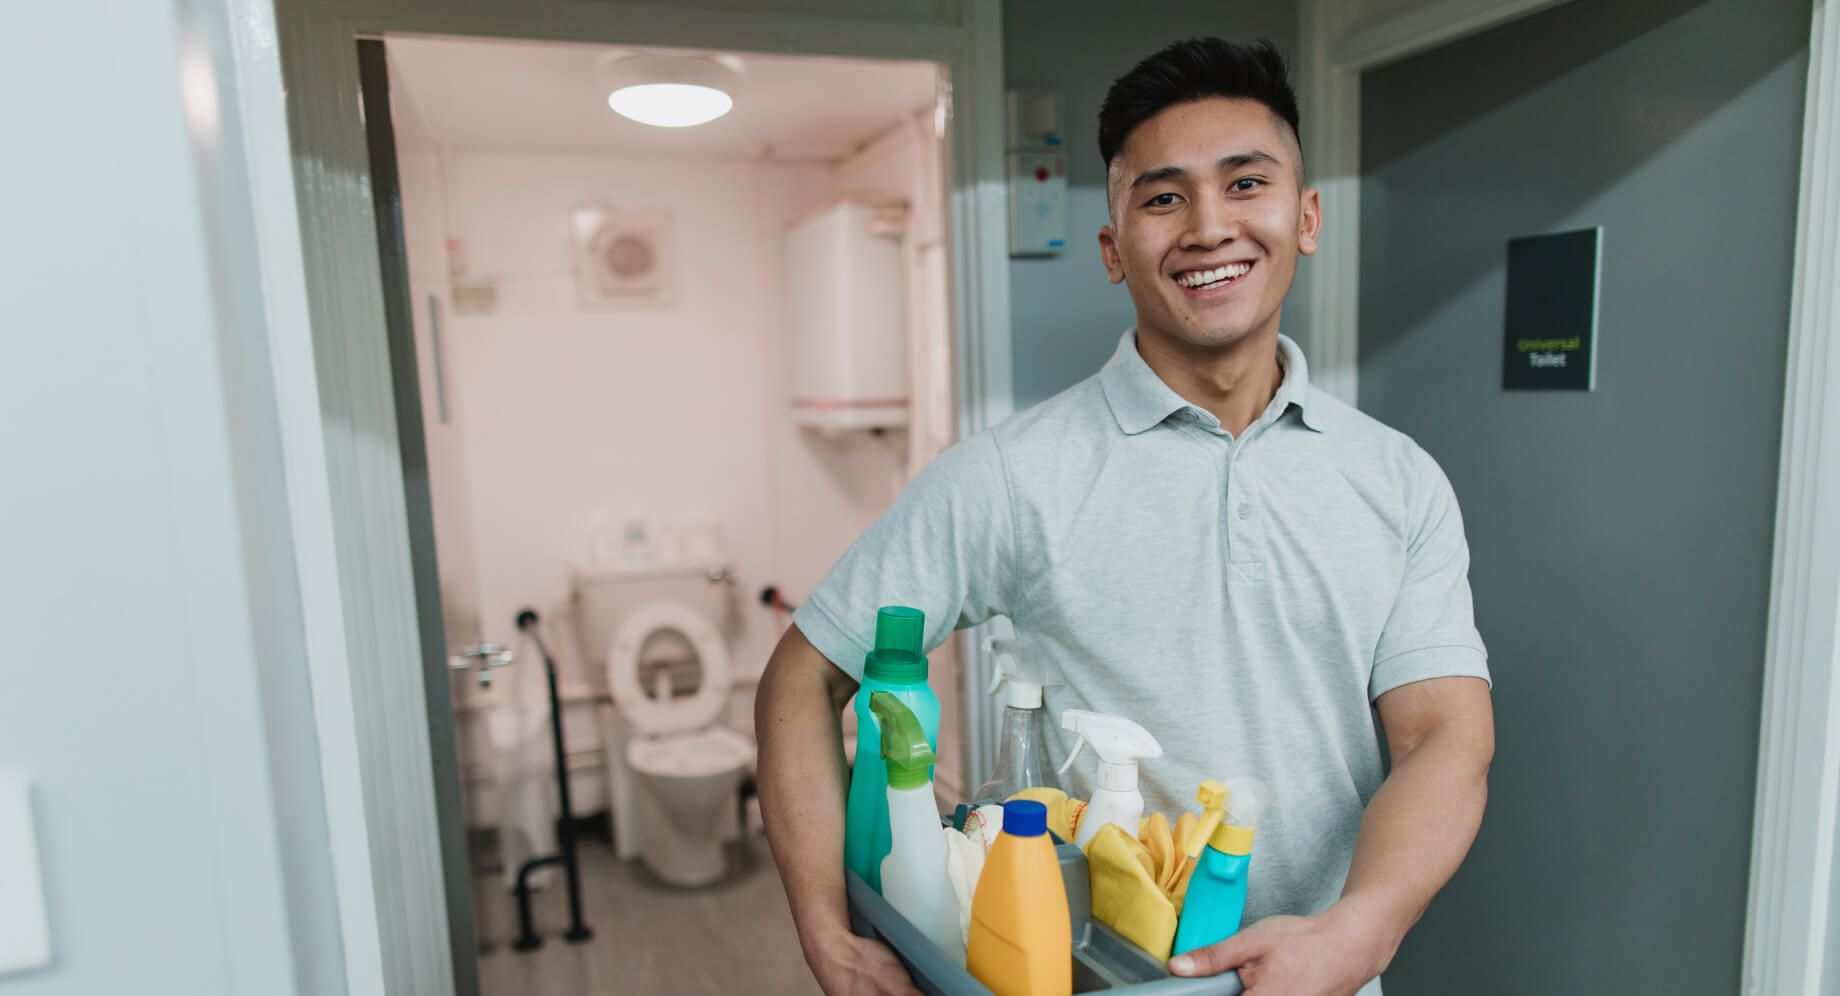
x: 1197, y: 539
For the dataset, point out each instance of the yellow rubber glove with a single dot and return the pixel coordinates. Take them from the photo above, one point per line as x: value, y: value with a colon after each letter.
x: 1125, y: 895
x: 1063, y: 812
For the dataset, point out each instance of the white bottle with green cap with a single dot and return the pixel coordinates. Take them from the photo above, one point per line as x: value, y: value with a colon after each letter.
x: 914, y: 879
x: 1120, y: 744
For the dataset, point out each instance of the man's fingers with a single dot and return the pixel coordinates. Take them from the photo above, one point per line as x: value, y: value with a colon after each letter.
x: 1217, y: 958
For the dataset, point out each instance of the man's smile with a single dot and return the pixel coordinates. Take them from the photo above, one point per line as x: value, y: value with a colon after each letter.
x: 1212, y: 281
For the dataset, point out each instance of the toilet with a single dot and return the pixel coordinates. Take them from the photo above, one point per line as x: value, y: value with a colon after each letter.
x: 676, y: 771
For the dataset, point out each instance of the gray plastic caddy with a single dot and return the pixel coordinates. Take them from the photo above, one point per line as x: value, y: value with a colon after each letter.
x: 1103, y: 961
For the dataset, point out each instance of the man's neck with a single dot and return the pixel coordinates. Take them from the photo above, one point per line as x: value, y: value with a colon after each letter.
x: 1236, y: 383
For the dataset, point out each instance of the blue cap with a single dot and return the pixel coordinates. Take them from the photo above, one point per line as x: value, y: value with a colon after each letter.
x: 1024, y: 818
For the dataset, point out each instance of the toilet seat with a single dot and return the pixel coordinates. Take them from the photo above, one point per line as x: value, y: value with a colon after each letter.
x: 677, y: 738
x: 688, y: 714
x: 691, y: 755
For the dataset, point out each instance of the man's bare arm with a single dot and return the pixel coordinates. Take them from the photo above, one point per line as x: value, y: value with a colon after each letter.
x: 1420, y: 825
x: 802, y: 791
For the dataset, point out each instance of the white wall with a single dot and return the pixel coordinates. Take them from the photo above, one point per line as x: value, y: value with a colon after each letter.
x: 443, y: 424
x: 154, y: 685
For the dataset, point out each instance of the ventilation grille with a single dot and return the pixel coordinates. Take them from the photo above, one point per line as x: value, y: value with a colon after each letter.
x: 622, y: 258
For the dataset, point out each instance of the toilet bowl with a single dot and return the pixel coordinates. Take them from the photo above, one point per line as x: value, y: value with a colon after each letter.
x: 687, y: 768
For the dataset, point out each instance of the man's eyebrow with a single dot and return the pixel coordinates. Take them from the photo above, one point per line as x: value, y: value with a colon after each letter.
x: 1226, y: 164
x: 1158, y: 175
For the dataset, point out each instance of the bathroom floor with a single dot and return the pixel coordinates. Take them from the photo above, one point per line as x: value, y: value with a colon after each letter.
x: 733, y: 938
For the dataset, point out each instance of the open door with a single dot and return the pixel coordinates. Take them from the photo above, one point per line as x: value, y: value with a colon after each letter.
x: 386, y: 190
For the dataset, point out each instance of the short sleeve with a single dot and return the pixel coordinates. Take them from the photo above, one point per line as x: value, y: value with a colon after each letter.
x: 944, y: 547
x: 1431, y: 632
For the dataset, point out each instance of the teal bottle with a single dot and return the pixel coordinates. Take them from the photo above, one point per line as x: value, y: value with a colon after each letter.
x: 896, y: 666
x: 1216, y: 898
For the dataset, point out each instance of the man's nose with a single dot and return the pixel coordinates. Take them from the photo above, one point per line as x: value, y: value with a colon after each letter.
x: 1212, y: 223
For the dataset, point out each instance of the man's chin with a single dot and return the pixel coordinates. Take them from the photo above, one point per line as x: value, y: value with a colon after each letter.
x: 1209, y: 338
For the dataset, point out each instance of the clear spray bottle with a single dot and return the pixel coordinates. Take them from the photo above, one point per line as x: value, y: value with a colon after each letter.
x: 1022, y: 751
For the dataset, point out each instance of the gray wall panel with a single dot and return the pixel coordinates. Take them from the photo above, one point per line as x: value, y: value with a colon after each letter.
x: 1621, y: 540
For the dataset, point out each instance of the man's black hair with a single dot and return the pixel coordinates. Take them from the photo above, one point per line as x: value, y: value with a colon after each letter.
x: 1194, y: 69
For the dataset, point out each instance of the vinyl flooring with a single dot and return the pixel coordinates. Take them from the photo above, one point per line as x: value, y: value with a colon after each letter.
x: 733, y: 938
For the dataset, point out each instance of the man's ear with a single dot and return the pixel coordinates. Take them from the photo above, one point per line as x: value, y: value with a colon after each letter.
x: 1108, y: 254
x: 1309, y: 222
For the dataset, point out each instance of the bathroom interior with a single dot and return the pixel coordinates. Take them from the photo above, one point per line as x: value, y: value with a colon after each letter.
x: 667, y: 375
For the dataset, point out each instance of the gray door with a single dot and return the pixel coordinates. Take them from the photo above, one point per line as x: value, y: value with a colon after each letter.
x: 1620, y: 539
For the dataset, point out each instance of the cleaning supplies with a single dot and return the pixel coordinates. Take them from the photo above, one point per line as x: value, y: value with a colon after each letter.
x: 914, y: 879
x: 1216, y: 898
x: 897, y: 666
x: 1021, y: 935
x: 1120, y: 744
x: 1022, y: 754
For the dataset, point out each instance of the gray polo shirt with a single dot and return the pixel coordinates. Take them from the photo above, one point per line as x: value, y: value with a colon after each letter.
x: 1244, y: 599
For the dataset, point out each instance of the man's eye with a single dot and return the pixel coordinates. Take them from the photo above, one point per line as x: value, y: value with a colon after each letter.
x: 1246, y: 184
x: 1162, y: 200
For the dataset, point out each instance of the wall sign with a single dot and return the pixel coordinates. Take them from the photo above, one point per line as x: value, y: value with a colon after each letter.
x: 1551, y: 328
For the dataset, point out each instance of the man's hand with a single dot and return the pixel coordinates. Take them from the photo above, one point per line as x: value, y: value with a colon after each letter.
x: 856, y: 966
x: 1323, y: 955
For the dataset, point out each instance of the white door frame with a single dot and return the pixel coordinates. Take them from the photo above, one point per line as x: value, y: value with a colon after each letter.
x: 1798, y: 765
x: 1339, y: 40
x: 322, y: 283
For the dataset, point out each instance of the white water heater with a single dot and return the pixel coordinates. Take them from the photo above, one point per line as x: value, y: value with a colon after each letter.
x: 847, y: 313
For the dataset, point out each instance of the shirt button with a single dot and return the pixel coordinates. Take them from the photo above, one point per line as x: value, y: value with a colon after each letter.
x: 1245, y: 511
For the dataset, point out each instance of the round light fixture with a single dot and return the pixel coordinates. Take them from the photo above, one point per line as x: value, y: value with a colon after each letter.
x: 669, y: 91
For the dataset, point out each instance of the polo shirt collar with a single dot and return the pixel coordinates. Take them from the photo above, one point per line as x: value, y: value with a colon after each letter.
x: 1140, y: 400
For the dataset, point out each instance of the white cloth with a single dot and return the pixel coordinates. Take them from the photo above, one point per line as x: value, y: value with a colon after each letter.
x: 964, y: 863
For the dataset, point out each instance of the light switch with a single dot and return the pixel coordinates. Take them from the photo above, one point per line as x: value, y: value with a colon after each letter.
x: 25, y: 938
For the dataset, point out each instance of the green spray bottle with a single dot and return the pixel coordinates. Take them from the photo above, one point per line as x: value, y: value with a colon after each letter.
x: 897, y: 666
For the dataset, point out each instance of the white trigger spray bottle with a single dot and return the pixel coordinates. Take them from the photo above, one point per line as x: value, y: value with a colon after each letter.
x: 1120, y: 744
x: 1022, y: 753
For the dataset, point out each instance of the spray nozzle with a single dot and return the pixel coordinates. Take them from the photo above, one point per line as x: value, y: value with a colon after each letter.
x: 1247, y: 799
x: 1213, y: 798
x: 904, y: 747
x: 1119, y: 742
x: 1006, y: 660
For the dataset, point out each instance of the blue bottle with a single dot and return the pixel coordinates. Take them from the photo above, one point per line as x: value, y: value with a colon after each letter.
x: 1216, y: 898
x: 898, y: 667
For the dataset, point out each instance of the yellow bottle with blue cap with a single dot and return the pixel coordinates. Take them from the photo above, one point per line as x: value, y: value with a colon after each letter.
x: 1021, y: 941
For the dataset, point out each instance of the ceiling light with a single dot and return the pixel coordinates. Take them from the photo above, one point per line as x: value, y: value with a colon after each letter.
x: 669, y: 91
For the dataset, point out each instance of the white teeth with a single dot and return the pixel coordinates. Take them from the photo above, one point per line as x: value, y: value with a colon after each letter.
x: 1204, y: 278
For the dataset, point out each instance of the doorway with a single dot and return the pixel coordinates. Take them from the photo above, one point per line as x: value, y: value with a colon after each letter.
x: 602, y: 375
x: 378, y: 684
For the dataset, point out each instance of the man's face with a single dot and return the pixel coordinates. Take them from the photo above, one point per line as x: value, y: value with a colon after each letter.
x: 1204, y: 187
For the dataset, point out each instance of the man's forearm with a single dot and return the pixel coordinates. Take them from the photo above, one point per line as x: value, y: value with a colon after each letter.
x: 802, y: 788
x: 1415, y: 834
